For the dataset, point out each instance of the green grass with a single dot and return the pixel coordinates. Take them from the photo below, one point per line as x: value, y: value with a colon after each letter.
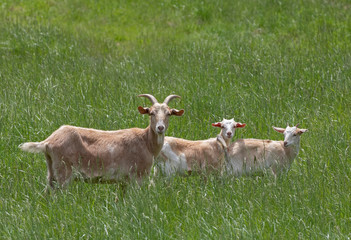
x: 262, y: 62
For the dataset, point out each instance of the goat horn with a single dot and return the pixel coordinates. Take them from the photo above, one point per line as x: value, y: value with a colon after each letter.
x: 150, y: 97
x: 297, y: 125
x: 169, y: 98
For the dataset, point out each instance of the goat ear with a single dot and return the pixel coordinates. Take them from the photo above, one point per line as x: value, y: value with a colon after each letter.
x: 240, y: 125
x: 143, y: 110
x: 301, y: 131
x: 177, y: 112
x: 217, y: 124
x: 280, y: 130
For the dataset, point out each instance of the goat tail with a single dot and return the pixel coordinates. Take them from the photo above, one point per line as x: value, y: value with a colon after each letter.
x: 33, y: 147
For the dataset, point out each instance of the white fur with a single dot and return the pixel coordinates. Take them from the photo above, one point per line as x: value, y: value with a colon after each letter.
x: 177, y: 163
x: 33, y: 147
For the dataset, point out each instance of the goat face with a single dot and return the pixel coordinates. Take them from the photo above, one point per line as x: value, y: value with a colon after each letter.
x: 228, y: 127
x: 159, y: 116
x: 291, y: 134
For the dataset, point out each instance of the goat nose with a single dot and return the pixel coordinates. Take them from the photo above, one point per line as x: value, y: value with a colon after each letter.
x: 285, y: 143
x: 229, y: 134
x: 161, y: 128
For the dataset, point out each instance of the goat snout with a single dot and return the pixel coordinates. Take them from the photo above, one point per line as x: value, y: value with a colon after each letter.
x: 160, y: 128
x: 285, y: 143
x: 229, y: 134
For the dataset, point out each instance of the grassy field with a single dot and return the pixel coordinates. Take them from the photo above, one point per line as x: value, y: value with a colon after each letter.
x: 262, y: 62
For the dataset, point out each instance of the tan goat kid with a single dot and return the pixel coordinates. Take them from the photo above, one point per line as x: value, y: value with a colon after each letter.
x: 180, y: 155
x: 105, y: 155
x: 249, y: 156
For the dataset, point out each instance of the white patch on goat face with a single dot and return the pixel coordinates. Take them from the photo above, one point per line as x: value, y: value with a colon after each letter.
x: 228, y: 128
x: 290, y: 136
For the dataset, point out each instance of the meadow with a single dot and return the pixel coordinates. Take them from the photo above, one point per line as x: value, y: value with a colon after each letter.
x: 265, y: 63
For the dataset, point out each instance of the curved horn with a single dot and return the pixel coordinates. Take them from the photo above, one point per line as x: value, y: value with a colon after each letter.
x: 169, y: 98
x: 150, y: 97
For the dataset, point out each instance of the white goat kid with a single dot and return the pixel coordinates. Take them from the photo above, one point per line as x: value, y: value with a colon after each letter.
x: 180, y: 155
x: 105, y: 156
x: 248, y: 156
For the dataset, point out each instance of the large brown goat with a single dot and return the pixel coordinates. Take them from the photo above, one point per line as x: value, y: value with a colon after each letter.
x: 105, y: 155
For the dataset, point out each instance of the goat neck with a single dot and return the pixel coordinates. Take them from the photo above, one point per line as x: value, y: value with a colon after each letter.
x: 154, y: 141
x: 224, y: 145
x: 293, y: 150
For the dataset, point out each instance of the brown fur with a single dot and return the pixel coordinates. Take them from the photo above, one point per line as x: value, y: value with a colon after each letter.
x: 199, y: 155
x: 254, y: 155
x: 94, y: 153
x: 180, y: 155
x: 105, y: 155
